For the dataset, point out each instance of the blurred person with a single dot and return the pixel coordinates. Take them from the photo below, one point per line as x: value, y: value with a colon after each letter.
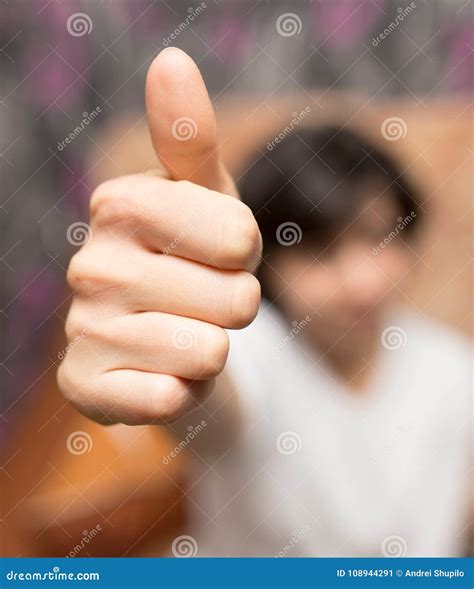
x: 338, y: 424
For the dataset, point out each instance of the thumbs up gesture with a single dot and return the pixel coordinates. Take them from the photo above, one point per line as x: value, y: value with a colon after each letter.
x: 167, y: 267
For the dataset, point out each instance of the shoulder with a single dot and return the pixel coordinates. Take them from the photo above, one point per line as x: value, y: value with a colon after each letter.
x: 437, y: 361
x: 434, y: 343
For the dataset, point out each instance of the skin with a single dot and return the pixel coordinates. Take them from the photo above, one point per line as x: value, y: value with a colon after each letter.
x: 344, y: 287
x: 145, y: 327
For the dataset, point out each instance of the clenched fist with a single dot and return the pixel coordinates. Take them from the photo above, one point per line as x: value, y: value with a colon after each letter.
x: 168, y: 267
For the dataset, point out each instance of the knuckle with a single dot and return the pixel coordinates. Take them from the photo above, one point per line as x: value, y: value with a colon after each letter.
x: 214, y: 351
x: 76, y: 271
x: 111, y: 203
x: 166, y: 401
x: 89, y: 275
x: 83, y: 320
x: 245, y: 300
x: 241, y: 237
x: 75, y: 327
x: 62, y: 378
x: 71, y: 389
x: 102, y: 196
x: 175, y: 401
x: 83, y: 395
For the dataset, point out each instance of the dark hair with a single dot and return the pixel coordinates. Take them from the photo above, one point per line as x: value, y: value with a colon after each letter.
x: 316, y: 178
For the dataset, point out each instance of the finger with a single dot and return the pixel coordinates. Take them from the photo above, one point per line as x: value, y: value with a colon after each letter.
x: 137, y: 397
x: 133, y: 397
x: 151, y: 342
x: 182, y: 122
x: 179, y: 219
x: 144, y: 280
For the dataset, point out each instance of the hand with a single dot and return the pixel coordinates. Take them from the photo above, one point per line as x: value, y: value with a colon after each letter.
x: 168, y: 266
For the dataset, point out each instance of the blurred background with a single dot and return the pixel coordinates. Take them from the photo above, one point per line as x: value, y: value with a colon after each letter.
x: 72, y: 114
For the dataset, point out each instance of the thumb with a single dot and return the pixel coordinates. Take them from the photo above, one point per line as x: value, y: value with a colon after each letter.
x: 182, y: 122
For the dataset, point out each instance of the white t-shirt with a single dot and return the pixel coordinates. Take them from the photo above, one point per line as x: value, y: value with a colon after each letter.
x: 320, y: 471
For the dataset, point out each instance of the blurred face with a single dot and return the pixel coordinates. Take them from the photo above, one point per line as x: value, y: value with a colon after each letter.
x: 348, y: 286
